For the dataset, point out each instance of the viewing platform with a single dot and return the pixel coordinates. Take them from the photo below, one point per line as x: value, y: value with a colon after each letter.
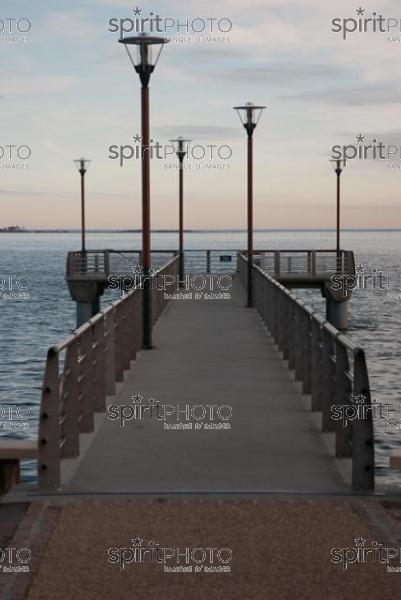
x: 90, y: 273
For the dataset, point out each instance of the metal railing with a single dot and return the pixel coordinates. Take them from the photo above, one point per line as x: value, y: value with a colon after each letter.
x: 106, y: 262
x: 281, y: 263
x: 102, y: 263
x: 82, y: 369
x: 312, y: 263
x: 331, y: 368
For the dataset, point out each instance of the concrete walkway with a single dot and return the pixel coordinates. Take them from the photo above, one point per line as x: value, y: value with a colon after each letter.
x: 210, y: 352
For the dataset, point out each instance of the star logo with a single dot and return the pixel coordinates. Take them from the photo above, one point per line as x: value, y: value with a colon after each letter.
x: 137, y: 542
x: 360, y: 11
x: 360, y: 269
x: 137, y: 138
x: 138, y: 269
x: 360, y: 398
x: 137, y: 399
x: 360, y: 542
x: 137, y: 11
x: 360, y: 138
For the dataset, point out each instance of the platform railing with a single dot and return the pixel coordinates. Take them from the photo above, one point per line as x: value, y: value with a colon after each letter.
x: 280, y: 263
x: 330, y: 367
x: 82, y: 369
x: 312, y: 263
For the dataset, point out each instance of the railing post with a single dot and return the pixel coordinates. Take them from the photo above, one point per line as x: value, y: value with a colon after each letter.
x: 132, y: 326
x: 363, y: 457
x: 314, y: 263
x: 49, y: 426
x: 118, y: 351
x: 298, y: 343
x: 70, y: 398
x: 307, y: 353
x: 106, y: 263
x: 139, y: 306
x: 99, y: 365
x: 343, y: 392
x: 316, y: 360
x: 110, y: 359
x: 266, y: 309
x: 281, y: 309
x: 328, y: 375
x: 291, y: 338
x: 86, y: 392
x: 208, y: 262
x: 277, y: 263
x: 124, y: 337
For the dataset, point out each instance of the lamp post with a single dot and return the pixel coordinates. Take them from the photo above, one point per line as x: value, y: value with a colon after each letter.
x: 338, y: 165
x: 180, y: 146
x: 144, y: 62
x: 82, y: 166
x: 249, y: 115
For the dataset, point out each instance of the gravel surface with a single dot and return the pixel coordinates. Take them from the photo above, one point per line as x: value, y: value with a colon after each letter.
x: 280, y: 551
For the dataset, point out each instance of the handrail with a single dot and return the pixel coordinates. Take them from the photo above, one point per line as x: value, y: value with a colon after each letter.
x: 76, y: 383
x: 331, y: 368
x: 318, y: 264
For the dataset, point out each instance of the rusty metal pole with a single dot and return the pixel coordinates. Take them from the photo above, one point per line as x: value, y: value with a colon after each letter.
x: 181, y: 219
x: 338, y: 246
x: 338, y: 212
x: 146, y: 236
x: 83, y: 246
x: 250, y: 220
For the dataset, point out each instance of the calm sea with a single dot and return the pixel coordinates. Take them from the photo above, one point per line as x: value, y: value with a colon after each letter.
x: 29, y: 327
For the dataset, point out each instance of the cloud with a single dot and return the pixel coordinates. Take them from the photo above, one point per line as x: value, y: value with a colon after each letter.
x: 353, y: 95
x: 74, y: 24
x: 208, y: 132
x: 287, y: 74
x: 36, y: 85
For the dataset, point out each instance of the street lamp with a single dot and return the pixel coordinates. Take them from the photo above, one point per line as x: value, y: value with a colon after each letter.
x: 180, y: 146
x: 249, y: 115
x: 338, y: 165
x: 82, y: 166
x: 144, y: 61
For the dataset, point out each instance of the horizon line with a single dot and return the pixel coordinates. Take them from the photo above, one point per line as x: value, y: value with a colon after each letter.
x: 115, y: 230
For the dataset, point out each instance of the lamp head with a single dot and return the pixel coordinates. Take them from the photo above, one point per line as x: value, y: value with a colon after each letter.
x: 249, y: 115
x: 148, y: 50
x: 339, y: 165
x: 181, y: 147
x: 82, y: 165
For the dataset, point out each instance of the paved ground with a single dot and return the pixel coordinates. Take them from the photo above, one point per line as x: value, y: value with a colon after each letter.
x: 211, y: 352
x: 280, y: 550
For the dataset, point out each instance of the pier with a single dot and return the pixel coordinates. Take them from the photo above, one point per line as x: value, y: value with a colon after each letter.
x: 224, y: 427
x: 278, y: 370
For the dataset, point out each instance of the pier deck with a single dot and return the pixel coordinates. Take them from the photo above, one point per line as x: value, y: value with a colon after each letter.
x: 211, y: 352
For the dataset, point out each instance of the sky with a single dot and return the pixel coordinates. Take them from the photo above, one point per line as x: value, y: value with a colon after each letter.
x: 67, y: 89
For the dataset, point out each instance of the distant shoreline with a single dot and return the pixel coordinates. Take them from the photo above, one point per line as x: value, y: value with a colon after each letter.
x: 22, y: 231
